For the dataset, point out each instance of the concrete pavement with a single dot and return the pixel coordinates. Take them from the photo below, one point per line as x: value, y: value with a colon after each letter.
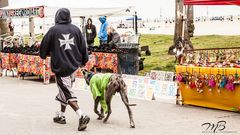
x: 27, y: 107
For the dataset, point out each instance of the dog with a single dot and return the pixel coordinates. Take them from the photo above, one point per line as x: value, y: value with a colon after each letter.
x: 178, y: 49
x: 103, y: 87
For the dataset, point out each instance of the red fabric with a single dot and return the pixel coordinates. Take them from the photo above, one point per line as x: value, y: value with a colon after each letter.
x: 212, y: 2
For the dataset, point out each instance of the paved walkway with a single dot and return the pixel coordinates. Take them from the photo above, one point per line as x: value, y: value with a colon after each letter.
x: 27, y: 108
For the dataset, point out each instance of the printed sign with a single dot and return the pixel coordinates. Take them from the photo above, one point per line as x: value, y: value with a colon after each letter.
x: 141, y: 87
x: 161, y: 75
x: 165, y: 90
x: 144, y: 88
x: 23, y: 12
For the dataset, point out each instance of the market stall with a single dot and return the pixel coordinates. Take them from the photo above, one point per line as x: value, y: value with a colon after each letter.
x: 106, y: 61
x: 210, y: 77
x: 209, y: 87
x: 8, y: 61
x: 32, y: 63
x: 37, y: 66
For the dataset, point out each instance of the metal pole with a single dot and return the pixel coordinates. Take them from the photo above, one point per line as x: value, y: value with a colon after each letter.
x: 136, y: 23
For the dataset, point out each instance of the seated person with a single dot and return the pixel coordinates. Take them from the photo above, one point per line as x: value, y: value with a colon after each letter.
x: 11, y: 28
x: 113, y: 36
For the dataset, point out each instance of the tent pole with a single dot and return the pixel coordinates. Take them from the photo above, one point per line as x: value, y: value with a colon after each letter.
x: 31, y: 26
x: 133, y: 23
x: 31, y: 31
x: 136, y: 23
x: 82, y: 27
x: 43, y: 27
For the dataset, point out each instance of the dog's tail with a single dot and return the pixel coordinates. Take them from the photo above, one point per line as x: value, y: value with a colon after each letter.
x: 132, y: 104
x: 122, y: 91
x: 125, y: 99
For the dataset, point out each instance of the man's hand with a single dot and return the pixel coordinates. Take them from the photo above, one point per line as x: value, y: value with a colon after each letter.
x: 82, y: 67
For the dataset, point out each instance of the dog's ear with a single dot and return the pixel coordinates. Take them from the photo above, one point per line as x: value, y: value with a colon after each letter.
x: 84, y: 71
x: 85, y: 76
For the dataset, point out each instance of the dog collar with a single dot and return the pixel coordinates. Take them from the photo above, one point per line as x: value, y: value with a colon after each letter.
x: 89, y: 76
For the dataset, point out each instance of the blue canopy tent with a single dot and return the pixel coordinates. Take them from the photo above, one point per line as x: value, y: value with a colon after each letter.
x: 135, y: 20
x: 132, y: 18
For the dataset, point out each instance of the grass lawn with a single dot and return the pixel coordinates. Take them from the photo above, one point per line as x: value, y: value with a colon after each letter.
x: 159, y: 44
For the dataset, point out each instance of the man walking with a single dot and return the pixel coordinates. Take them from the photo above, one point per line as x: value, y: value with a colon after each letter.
x: 66, y: 46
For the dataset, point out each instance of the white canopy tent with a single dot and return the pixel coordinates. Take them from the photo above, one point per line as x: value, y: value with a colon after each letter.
x: 78, y: 8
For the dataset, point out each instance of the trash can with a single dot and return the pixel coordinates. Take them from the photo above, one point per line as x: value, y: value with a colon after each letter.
x: 128, y: 62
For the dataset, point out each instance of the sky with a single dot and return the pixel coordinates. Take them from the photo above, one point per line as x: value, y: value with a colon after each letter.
x: 153, y: 9
x: 166, y: 8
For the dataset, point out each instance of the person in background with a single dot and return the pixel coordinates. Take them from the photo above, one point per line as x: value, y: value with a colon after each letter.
x: 113, y: 36
x: 90, y: 32
x: 102, y: 35
x: 11, y: 28
x: 65, y: 44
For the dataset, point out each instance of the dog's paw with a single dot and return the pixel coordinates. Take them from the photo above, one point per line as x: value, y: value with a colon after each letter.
x: 99, y: 118
x: 105, y: 121
x: 132, y: 125
x: 102, y: 116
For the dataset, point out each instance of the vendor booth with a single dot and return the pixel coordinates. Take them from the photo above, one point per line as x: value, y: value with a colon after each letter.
x: 210, y: 77
x: 8, y: 61
x: 29, y: 61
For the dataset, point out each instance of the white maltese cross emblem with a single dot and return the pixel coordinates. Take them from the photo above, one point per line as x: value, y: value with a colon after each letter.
x: 66, y: 41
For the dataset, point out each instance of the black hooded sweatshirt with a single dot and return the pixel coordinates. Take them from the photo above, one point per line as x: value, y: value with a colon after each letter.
x: 65, y: 44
